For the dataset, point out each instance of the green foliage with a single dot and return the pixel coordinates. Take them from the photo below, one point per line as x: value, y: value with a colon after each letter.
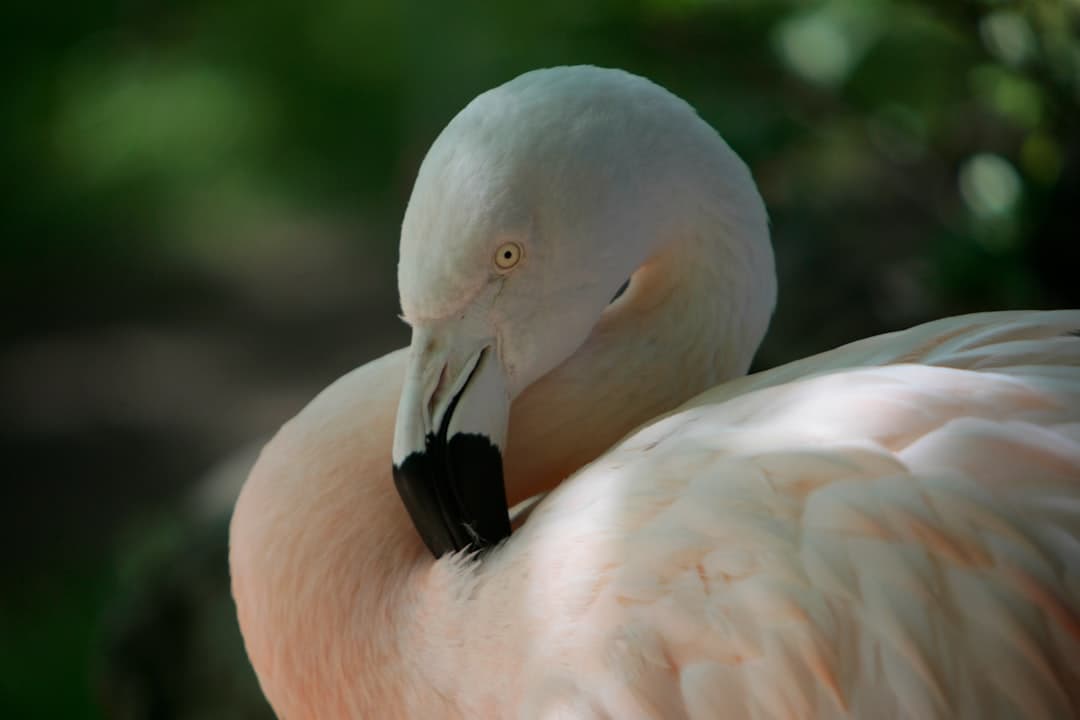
x: 130, y: 119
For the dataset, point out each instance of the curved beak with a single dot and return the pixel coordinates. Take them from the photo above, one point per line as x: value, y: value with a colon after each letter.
x: 448, y: 441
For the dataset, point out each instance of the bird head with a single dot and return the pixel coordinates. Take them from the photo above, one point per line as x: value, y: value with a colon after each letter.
x: 530, y: 210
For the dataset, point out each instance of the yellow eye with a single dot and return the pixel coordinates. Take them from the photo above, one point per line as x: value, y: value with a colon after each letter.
x: 507, y: 256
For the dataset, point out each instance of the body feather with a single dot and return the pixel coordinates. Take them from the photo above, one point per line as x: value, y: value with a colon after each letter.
x: 859, y: 540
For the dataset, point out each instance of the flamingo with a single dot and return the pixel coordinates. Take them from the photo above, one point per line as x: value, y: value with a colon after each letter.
x: 889, y: 529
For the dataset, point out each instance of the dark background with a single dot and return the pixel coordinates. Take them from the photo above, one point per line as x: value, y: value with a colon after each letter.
x: 199, y: 223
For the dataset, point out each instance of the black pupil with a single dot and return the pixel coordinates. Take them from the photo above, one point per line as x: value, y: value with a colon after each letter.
x: 508, y: 254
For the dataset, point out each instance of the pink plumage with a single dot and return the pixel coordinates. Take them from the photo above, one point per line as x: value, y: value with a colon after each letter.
x: 890, y: 529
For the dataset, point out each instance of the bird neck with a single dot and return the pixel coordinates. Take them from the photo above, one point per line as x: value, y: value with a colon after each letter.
x: 323, y: 556
x: 693, y: 316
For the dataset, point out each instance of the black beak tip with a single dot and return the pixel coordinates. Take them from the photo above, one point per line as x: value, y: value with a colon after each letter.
x: 476, y: 474
x: 454, y: 493
x: 414, y: 480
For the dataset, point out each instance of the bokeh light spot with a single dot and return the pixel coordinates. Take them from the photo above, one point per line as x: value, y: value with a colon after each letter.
x: 989, y: 185
x: 1008, y: 36
x: 815, y: 47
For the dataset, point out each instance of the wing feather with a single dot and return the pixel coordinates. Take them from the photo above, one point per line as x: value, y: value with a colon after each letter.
x: 856, y: 539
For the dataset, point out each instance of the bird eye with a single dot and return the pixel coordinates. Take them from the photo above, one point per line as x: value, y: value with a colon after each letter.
x: 507, y: 256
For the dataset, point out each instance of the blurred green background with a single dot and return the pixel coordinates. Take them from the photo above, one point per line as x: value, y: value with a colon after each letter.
x: 200, y: 210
